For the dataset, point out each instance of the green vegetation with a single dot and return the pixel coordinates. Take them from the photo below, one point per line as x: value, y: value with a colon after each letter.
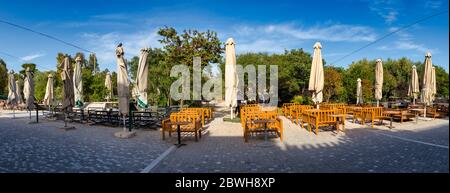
x: 293, y: 68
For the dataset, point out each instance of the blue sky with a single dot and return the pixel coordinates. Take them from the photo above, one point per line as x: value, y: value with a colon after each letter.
x: 257, y: 26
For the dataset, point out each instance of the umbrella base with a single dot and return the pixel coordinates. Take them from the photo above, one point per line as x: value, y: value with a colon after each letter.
x: 125, y: 134
x: 32, y: 122
x: 67, y: 128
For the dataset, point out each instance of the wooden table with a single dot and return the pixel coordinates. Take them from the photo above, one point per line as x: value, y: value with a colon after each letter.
x: 391, y: 116
x: 265, y: 121
x: 416, y: 113
x: 178, y: 124
x: 340, y: 120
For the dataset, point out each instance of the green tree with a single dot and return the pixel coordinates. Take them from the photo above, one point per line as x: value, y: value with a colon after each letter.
x: 3, y: 80
x: 333, y: 84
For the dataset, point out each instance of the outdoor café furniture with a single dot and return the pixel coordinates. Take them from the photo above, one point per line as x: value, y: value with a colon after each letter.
x: 434, y: 113
x: 371, y: 114
x: 264, y: 121
x: 76, y: 115
x: 193, y: 126
x: 315, y: 118
x: 178, y: 125
x: 340, y: 120
x: 109, y: 117
x: 391, y: 114
x: 403, y: 115
x: 144, y: 118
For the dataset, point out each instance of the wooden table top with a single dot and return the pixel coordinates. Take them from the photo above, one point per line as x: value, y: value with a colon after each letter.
x: 391, y: 112
x: 263, y: 121
x: 180, y: 123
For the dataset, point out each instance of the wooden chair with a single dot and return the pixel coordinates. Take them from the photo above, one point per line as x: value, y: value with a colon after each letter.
x: 251, y: 127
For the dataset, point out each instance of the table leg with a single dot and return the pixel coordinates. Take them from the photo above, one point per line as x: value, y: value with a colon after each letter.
x: 417, y: 117
x: 179, y: 137
x: 265, y: 132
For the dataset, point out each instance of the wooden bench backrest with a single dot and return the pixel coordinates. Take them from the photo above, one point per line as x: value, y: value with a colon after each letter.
x: 322, y: 115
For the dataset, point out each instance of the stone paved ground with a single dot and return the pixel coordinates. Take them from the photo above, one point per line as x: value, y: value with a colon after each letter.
x: 43, y: 148
x: 360, y: 149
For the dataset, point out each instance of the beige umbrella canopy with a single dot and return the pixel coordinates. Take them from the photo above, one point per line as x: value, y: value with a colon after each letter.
x: 122, y: 81
x: 316, y: 77
x: 28, y: 89
x: 142, y: 79
x: 427, y: 89
x: 108, y: 85
x: 231, y: 79
x: 48, y: 98
x: 12, y: 94
x: 18, y: 93
x: 359, y: 95
x: 78, y: 83
x: 378, y: 81
x: 66, y: 76
x: 414, y: 85
x: 433, y: 83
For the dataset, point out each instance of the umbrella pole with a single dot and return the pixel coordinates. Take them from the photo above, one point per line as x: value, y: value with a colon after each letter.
x: 30, y: 113
x: 425, y: 111
x: 65, y: 119
x: 124, y: 126
x: 14, y: 113
x: 378, y: 103
x: 414, y: 101
x: 231, y: 113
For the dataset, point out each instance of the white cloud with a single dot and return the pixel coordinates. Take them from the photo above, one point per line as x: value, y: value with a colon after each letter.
x: 31, y: 57
x: 104, y: 44
x: 275, y: 38
x: 433, y: 4
x: 333, y: 32
x: 387, y: 9
x: 407, y: 45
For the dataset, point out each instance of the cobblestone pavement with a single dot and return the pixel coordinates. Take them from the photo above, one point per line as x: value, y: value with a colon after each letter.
x: 409, y: 147
x: 359, y: 149
x: 45, y: 148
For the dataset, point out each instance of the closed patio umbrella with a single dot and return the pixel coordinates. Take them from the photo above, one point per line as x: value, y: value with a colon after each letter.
x: 78, y: 83
x: 18, y: 93
x: 68, y: 98
x: 359, y: 95
x: 108, y: 85
x: 433, y: 83
x: 12, y: 94
x: 28, y: 90
x: 48, y: 98
x: 122, y: 84
x: 427, y: 89
x: 414, y: 85
x: 141, y: 79
x: 379, y: 81
x: 316, y: 77
x: 231, y: 79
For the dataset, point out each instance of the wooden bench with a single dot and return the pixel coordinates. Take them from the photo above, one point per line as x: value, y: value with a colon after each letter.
x: 193, y: 127
x: 315, y: 118
x: 285, y: 108
x: 203, y: 112
x: 404, y: 114
x: 371, y: 114
x: 435, y: 113
x: 297, y: 111
x: 251, y: 127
